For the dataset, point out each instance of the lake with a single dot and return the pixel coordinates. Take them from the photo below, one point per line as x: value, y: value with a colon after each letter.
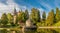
x: 38, y: 30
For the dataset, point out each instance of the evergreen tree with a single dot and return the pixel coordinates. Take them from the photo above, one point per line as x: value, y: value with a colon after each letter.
x: 50, y: 18
x: 44, y: 17
x: 57, y: 15
x: 35, y: 15
x: 4, y: 19
x: 26, y: 14
x: 21, y: 16
x: 10, y: 18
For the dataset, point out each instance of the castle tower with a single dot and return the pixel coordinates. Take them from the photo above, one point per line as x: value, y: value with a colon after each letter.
x: 18, y: 13
x: 29, y: 23
x: 15, y: 12
x: 14, y: 15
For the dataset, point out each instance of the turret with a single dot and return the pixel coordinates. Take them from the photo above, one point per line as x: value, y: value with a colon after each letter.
x: 14, y: 14
x: 15, y: 11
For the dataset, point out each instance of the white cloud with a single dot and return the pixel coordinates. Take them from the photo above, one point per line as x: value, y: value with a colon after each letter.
x: 46, y: 5
x: 41, y: 11
x: 9, y: 7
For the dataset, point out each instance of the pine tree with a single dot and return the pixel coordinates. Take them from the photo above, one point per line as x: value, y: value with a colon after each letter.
x: 4, y: 19
x: 50, y: 18
x: 35, y: 15
x: 44, y: 17
x: 26, y: 14
x: 10, y: 18
x: 21, y: 16
x: 57, y: 15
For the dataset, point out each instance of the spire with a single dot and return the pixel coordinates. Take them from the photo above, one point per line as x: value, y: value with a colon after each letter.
x: 15, y: 11
x: 21, y: 10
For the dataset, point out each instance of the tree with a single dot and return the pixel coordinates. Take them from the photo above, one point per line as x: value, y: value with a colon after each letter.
x: 35, y: 15
x: 26, y: 14
x: 44, y: 17
x: 10, y: 18
x: 57, y: 15
x: 4, y: 19
x: 50, y: 18
x: 21, y: 16
x: 18, y: 16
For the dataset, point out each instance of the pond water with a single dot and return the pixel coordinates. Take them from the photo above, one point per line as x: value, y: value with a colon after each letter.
x: 57, y: 30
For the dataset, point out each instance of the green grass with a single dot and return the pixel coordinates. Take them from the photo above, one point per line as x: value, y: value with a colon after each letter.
x: 57, y: 24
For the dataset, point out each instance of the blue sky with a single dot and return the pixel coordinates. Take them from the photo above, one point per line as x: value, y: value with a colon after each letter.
x: 46, y: 5
x: 43, y: 5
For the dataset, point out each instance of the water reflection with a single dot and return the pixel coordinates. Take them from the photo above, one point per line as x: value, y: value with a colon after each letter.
x: 56, y: 30
x: 32, y: 31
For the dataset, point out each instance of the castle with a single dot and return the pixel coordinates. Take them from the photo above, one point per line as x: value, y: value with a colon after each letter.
x: 28, y: 22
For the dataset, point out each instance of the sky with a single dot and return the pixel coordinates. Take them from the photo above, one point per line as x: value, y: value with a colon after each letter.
x: 7, y: 6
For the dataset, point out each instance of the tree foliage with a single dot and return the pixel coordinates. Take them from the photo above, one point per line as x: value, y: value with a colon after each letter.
x: 44, y: 17
x: 50, y: 18
x: 35, y: 15
x: 21, y: 16
x: 26, y: 14
x: 10, y: 17
x: 4, y: 19
x: 57, y: 14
